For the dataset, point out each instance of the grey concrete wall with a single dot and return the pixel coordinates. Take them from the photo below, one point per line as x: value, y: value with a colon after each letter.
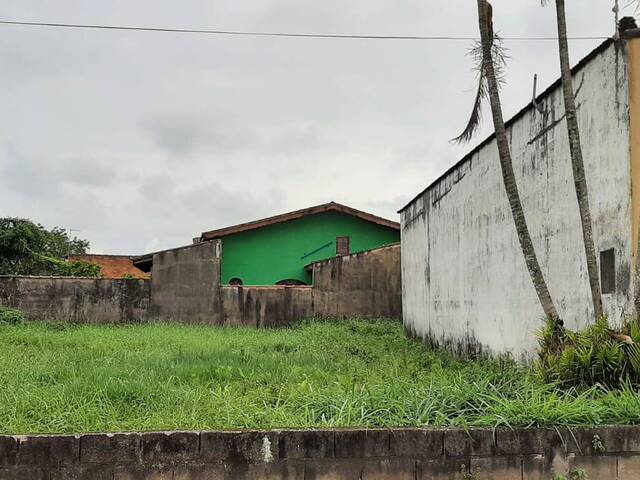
x: 390, y: 454
x: 185, y: 287
x: 264, y: 306
x: 366, y: 284
x: 465, y: 282
x: 79, y: 300
x: 184, y: 284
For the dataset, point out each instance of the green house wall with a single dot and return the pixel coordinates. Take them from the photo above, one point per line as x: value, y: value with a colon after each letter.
x: 278, y: 252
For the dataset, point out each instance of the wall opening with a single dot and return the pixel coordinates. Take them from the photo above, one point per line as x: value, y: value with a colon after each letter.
x: 608, y: 271
x: 291, y: 282
x: 236, y: 281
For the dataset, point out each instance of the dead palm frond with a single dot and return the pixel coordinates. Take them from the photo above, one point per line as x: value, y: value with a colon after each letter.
x: 500, y: 57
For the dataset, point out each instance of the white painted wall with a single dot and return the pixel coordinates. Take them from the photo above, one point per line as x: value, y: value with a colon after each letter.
x: 465, y: 282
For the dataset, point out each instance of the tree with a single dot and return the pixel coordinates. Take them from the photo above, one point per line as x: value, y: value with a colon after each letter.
x: 489, y: 78
x: 60, y: 245
x: 19, y: 240
x: 27, y: 248
x: 577, y: 161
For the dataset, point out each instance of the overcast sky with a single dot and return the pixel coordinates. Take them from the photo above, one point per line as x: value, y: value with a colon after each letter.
x: 143, y: 140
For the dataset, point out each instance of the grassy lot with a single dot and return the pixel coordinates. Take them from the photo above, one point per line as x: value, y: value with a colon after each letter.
x: 322, y: 374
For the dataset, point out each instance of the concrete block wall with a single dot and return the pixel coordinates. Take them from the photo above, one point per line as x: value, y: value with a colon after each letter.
x: 606, y: 453
x: 184, y: 284
x: 185, y: 287
x: 78, y: 300
x: 264, y: 306
x: 363, y: 284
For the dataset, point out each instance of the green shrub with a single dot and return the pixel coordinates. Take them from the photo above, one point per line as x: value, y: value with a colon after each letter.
x: 56, y: 267
x: 589, y: 357
x: 11, y: 316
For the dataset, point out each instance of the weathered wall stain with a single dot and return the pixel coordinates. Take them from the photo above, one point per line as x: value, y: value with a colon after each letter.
x: 364, y: 454
x: 465, y: 283
x: 185, y: 287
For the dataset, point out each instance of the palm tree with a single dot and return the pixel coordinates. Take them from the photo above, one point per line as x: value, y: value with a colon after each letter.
x: 489, y: 77
x: 577, y: 162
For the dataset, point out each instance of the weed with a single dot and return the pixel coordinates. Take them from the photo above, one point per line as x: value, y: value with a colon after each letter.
x: 577, y: 474
x: 597, y: 444
x: 590, y: 357
x: 11, y: 316
x: 347, y: 373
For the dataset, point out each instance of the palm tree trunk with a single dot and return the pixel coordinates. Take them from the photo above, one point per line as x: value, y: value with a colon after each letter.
x: 577, y: 163
x: 508, y: 177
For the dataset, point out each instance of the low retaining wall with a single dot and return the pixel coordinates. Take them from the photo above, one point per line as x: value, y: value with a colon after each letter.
x: 365, y: 284
x: 80, y: 300
x: 606, y: 453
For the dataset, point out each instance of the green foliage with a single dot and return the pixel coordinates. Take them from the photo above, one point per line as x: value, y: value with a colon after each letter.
x: 67, y: 378
x: 27, y: 248
x: 577, y: 474
x: 588, y: 357
x: 10, y: 316
x: 469, y: 474
x: 19, y: 241
x: 74, y: 268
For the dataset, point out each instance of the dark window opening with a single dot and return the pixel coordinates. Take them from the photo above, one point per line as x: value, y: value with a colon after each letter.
x: 291, y: 282
x: 235, y: 281
x: 608, y: 271
x: 343, y: 245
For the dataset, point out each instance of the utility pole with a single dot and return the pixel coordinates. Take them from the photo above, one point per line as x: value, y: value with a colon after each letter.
x: 69, y: 230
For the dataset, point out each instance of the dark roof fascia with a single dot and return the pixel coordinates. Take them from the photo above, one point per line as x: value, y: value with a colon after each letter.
x: 286, y: 217
x: 579, y: 66
x: 149, y: 256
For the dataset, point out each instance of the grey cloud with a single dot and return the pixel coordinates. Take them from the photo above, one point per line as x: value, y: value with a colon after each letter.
x: 221, y: 206
x: 145, y: 140
x: 40, y: 176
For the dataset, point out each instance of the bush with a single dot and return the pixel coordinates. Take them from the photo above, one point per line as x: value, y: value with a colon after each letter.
x: 11, y: 316
x: 71, y: 269
x: 589, y: 357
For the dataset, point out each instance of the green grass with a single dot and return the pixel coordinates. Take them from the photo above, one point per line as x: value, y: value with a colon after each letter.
x: 318, y: 374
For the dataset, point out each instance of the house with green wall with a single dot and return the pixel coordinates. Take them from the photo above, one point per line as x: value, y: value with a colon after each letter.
x: 276, y: 250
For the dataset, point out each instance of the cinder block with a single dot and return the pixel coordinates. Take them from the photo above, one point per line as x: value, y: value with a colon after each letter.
x: 473, y: 442
x: 546, y: 467
x: 48, y: 450
x: 529, y: 441
x: 417, y: 443
x: 362, y: 443
x: 445, y: 469
x: 8, y: 451
x: 281, y: 470
x: 240, y: 447
x: 597, y: 467
x: 142, y: 472
x: 24, y: 473
x: 629, y: 467
x: 389, y: 469
x: 83, y: 472
x: 102, y: 448
x: 307, y: 444
x: 170, y: 447
x: 603, y: 440
x: 333, y: 469
x: 496, y: 468
x: 201, y: 472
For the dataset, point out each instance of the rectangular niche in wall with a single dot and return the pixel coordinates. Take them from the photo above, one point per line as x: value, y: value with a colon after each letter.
x: 608, y: 271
